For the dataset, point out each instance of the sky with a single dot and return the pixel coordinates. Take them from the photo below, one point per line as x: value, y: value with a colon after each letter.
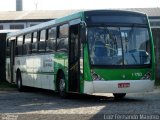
x: 9, y: 5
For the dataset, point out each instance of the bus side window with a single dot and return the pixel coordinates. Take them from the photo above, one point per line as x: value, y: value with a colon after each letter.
x: 34, y: 42
x: 19, y: 45
x: 41, y: 43
x: 27, y: 44
x: 51, y: 40
x: 62, y: 40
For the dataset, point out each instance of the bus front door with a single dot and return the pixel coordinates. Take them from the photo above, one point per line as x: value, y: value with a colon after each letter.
x: 12, y: 56
x: 74, y: 59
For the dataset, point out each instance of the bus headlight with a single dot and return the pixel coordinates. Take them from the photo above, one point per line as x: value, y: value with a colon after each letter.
x: 147, y: 76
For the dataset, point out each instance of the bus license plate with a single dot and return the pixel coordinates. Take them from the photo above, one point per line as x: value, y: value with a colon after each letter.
x: 123, y: 85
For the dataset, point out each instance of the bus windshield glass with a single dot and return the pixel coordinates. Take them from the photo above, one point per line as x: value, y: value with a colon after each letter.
x: 119, y: 45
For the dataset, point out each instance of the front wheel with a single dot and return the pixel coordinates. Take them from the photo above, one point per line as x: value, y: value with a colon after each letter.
x: 119, y: 95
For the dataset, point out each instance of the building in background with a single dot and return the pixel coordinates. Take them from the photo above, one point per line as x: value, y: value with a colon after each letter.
x: 23, y: 19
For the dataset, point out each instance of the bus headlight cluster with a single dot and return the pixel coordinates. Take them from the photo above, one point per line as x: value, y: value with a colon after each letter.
x: 147, y: 76
x: 96, y: 76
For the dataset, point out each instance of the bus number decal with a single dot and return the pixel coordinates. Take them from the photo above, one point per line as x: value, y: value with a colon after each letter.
x: 137, y: 74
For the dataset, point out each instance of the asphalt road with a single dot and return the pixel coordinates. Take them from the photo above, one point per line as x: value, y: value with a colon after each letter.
x: 42, y: 104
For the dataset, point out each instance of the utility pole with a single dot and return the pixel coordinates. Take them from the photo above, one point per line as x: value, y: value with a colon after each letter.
x: 36, y: 5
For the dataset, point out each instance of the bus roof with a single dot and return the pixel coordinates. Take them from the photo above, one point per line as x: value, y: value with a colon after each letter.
x: 65, y: 19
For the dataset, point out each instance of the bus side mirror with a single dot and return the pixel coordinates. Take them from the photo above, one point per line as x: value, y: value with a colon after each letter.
x: 83, y: 32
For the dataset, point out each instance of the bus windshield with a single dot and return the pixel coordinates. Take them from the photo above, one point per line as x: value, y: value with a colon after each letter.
x: 119, y: 45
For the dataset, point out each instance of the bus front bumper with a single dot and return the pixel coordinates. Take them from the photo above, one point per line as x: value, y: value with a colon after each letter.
x: 118, y: 86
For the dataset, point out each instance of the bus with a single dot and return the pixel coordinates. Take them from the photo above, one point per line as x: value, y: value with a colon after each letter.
x: 96, y: 51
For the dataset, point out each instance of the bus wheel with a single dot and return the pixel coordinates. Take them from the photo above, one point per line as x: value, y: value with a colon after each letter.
x: 62, y: 86
x: 119, y: 95
x: 19, y: 82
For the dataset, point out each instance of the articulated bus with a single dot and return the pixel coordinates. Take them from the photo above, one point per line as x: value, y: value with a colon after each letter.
x: 96, y: 51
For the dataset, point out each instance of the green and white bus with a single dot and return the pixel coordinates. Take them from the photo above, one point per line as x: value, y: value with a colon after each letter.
x: 97, y: 51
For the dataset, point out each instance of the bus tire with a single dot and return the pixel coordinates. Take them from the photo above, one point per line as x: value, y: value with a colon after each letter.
x: 62, y: 85
x: 19, y: 82
x: 119, y: 95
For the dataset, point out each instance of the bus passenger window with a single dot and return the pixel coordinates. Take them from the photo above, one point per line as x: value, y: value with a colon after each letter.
x: 34, y: 43
x: 19, y: 45
x: 62, y: 41
x: 41, y: 43
x: 51, y: 41
x: 27, y: 44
